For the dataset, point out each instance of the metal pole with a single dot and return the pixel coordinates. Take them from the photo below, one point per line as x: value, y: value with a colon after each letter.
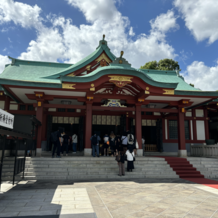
x: 15, y: 160
x: 36, y: 138
x: 2, y: 159
x: 24, y: 158
x: 33, y: 129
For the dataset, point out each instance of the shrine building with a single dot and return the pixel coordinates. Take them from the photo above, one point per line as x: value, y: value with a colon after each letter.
x: 103, y: 93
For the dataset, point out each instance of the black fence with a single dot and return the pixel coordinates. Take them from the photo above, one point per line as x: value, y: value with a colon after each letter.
x: 14, y: 141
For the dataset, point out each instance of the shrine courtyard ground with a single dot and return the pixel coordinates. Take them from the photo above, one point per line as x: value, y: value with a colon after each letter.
x: 118, y: 199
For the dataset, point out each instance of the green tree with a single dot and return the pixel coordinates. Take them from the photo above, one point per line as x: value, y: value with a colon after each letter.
x: 165, y: 64
x: 153, y: 65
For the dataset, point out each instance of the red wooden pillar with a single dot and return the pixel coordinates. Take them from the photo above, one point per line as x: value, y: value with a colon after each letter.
x: 7, y: 103
x: 207, y: 135
x: 39, y: 116
x: 88, y: 128
x: 44, y: 129
x: 194, y: 125
x: 138, y: 127
x: 182, y: 152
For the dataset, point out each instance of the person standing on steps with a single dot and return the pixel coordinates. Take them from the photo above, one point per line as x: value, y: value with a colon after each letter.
x: 95, y: 144
x: 130, y: 141
x: 124, y: 141
x: 66, y: 143
x: 106, y: 144
x: 112, y: 143
x: 74, y: 142
x: 143, y: 145
x: 130, y: 158
x: 119, y: 146
x: 120, y: 158
x: 56, y: 138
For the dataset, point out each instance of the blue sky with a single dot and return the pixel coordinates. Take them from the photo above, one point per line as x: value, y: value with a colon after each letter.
x: 69, y: 30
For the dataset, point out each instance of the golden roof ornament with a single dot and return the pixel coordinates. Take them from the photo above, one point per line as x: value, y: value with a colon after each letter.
x: 103, y: 37
x: 121, y: 54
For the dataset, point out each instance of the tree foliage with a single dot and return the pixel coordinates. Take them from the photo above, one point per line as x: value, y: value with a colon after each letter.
x: 165, y: 64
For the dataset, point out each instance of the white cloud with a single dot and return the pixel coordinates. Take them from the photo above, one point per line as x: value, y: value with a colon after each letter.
x: 47, y: 47
x: 202, y: 76
x: 71, y: 43
x: 164, y: 22
x: 201, y: 18
x: 96, y: 9
x: 131, y: 32
x: 9, y: 40
x: 20, y: 13
x: 3, y: 60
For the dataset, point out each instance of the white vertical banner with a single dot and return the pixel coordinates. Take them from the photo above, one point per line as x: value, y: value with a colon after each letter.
x: 6, y: 119
x: 200, y: 130
x: 191, y: 127
x: 166, y: 133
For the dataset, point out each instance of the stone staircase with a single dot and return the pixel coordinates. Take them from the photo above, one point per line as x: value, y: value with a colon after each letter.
x: 87, y: 168
x: 206, y: 166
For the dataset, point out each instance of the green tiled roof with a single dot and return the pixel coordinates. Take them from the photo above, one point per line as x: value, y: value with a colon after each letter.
x: 119, y: 69
x: 48, y: 74
x: 86, y: 60
x: 31, y: 71
x: 170, y: 77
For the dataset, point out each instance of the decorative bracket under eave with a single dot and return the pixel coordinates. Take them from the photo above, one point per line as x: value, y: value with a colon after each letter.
x: 68, y: 86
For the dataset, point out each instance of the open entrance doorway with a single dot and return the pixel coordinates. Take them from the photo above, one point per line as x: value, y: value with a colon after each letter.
x: 70, y: 125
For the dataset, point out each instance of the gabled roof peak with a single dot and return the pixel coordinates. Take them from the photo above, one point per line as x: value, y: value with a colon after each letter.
x: 103, y: 43
x: 121, y: 61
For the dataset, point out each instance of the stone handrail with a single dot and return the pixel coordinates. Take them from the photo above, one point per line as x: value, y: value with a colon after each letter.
x: 204, y: 150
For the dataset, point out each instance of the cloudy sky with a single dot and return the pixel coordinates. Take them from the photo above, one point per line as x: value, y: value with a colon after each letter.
x: 69, y: 30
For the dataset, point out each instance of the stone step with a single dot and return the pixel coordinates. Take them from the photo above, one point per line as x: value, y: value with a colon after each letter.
x: 98, y: 173
x: 98, y: 170
x: 97, y: 177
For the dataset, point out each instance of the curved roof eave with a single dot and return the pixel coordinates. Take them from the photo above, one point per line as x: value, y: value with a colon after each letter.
x: 196, y: 93
x: 120, y: 71
x: 84, y: 61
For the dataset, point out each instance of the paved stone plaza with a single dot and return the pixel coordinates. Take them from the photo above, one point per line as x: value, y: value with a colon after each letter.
x: 118, y: 199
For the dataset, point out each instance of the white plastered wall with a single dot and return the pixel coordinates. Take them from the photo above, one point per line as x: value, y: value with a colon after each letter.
x: 200, y: 129
x: 2, y: 105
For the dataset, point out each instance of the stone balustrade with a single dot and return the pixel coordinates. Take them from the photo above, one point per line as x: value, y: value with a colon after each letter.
x: 204, y: 150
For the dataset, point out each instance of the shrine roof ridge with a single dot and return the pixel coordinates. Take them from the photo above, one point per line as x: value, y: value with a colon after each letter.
x: 16, y: 61
x: 101, y: 48
x: 119, y: 70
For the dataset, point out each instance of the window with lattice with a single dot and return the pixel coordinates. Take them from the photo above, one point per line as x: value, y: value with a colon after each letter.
x: 173, y: 129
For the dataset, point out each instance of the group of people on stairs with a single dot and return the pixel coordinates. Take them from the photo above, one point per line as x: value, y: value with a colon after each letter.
x: 123, y: 148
